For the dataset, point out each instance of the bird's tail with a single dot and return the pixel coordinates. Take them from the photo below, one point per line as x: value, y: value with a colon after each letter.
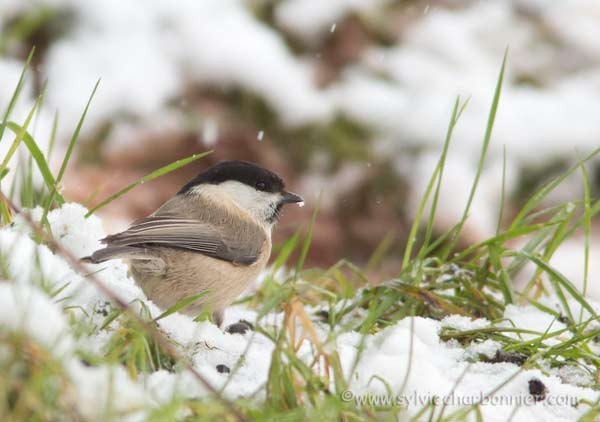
x: 115, y: 252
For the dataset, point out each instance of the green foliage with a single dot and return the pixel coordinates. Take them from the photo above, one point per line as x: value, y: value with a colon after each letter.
x: 131, y: 346
x: 33, y: 382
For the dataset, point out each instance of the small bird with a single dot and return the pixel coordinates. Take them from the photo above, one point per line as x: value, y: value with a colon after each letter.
x: 212, y: 239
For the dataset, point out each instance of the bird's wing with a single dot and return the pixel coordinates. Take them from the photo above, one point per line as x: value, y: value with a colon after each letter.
x: 227, y: 244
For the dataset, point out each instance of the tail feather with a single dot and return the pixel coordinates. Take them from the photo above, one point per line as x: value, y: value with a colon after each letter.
x: 117, y: 252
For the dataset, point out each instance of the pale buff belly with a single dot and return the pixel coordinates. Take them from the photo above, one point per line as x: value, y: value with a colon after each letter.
x: 187, y: 274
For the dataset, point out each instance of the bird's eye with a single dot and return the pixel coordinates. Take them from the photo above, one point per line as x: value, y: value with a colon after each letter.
x: 261, y: 186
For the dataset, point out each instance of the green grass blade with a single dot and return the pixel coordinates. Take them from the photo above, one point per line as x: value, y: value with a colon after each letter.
x: 285, y: 252
x: 504, y: 237
x: 486, y: 143
x: 502, y: 192
x: 65, y: 162
x: 505, y: 283
x: 180, y: 305
x: 157, y: 173
x: 547, y: 188
x: 412, y: 236
x: 307, y: 240
x: 539, y: 237
x: 587, y: 229
x: 559, y: 280
x: 67, y: 157
x: 52, y: 136
x: 456, y: 113
x: 20, y: 134
x: 436, y: 176
x: 380, y: 251
x: 16, y: 93
x: 560, y: 234
x: 38, y: 156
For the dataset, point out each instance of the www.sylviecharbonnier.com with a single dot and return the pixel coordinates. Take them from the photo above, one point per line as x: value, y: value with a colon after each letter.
x: 420, y: 400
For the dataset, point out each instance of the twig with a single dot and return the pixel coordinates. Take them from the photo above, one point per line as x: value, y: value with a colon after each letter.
x: 149, y: 328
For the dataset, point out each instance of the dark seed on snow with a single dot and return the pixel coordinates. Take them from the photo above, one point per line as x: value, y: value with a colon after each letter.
x: 223, y: 369
x: 323, y: 315
x: 565, y: 320
x: 239, y: 327
x: 510, y: 357
x: 537, y: 389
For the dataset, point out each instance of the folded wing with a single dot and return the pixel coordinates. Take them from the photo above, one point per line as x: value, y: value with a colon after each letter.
x: 182, y: 233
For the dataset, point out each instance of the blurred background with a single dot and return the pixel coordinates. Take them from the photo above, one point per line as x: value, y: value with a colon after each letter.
x: 351, y: 98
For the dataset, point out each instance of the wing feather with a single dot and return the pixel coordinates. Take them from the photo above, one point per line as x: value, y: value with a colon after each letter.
x: 189, y: 234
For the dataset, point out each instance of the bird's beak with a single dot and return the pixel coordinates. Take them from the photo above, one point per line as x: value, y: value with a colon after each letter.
x: 291, y: 198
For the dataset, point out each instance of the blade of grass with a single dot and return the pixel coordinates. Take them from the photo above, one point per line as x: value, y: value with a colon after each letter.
x: 307, y: 240
x: 594, y: 209
x: 502, y: 191
x: 547, y: 188
x: 380, y: 251
x: 5, y: 213
x: 16, y: 93
x: 587, y: 228
x: 484, y: 148
x: 456, y: 113
x: 505, y: 283
x: 37, y: 155
x: 519, y: 261
x: 157, y: 173
x: 412, y: 236
x: 554, y: 242
x: 20, y: 134
x: 437, y: 175
x: 180, y: 305
x: 559, y: 280
x: 503, y: 237
x: 52, y: 136
x: 285, y: 252
x: 67, y: 157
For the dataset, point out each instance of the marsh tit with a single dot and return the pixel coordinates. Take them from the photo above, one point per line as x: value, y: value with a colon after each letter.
x: 212, y: 239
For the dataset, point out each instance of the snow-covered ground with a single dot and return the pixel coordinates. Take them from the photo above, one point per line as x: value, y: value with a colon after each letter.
x: 407, y: 360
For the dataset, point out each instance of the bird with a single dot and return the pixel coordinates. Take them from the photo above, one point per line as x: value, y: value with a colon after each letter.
x: 211, y: 239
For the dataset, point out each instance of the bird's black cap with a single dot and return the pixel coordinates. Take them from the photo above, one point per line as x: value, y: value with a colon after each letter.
x: 241, y: 171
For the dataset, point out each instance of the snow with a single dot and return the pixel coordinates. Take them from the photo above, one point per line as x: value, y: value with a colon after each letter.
x: 310, y: 20
x: 387, y: 354
x: 462, y: 323
x: 27, y: 310
x: 412, y: 103
x: 404, y: 358
x: 81, y: 237
x: 107, y: 389
x: 144, y: 52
